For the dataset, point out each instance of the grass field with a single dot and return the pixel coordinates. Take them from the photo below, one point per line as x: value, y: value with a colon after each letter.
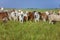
x: 29, y: 31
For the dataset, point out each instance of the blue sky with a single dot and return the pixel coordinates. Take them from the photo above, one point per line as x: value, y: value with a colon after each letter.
x: 30, y: 3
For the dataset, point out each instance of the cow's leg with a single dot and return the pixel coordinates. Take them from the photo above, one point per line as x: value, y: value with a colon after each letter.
x: 14, y: 19
x: 10, y: 18
x: 44, y: 19
x: 5, y: 19
x: 50, y: 21
x: 26, y: 18
x: 21, y: 21
x: 53, y: 22
x: 38, y: 20
x: 35, y: 20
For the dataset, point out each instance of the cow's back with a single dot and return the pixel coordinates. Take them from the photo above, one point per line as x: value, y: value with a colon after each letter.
x: 3, y: 15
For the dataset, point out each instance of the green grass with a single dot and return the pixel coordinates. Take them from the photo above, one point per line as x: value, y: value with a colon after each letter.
x: 29, y: 31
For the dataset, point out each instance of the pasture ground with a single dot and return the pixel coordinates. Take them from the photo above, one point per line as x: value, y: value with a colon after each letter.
x: 29, y: 31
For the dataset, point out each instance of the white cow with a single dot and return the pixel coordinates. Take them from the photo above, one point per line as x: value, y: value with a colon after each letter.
x: 36, y: 16
x: 53, y: 18
x: 21, y: 16
x: 13, y: 15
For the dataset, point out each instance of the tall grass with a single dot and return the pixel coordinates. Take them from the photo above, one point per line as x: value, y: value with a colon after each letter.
x: 29, y: 31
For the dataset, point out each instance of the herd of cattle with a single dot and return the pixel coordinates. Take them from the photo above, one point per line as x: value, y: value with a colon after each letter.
x: 21, y: 16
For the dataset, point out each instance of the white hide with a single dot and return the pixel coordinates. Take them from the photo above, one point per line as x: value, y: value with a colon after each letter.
x: 14, y: 16
x: 21, y: 16
x: 53, y: 17
x: 36, y: 16
x: 47, y: 13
